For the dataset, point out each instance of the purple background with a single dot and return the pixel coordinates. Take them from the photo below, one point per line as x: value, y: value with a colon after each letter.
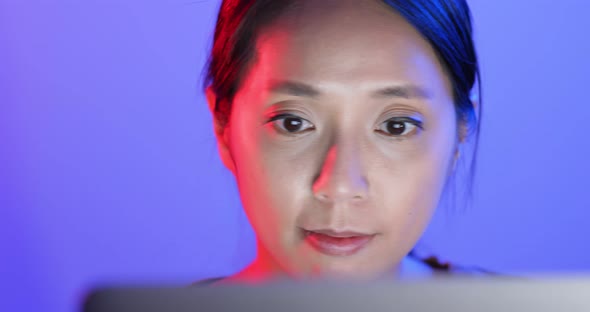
x: 109, y: 171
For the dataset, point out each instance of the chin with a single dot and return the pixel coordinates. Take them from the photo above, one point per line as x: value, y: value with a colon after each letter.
x: 344, y: 270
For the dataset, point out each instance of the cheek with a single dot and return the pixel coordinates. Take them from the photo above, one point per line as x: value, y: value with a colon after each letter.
x: 413, y: 184
x: 269, y: 185
x: 409, y: 201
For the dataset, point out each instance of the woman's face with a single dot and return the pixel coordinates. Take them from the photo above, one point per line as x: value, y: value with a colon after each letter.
x: 341, y: 138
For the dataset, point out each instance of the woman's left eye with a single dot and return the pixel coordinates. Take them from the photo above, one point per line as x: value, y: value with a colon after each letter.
x: 400, y: 126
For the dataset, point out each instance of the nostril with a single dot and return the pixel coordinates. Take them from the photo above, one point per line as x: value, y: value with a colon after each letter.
x: 322, y: 196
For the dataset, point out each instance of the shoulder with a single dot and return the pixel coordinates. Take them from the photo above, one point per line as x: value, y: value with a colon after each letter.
x: 207, y: 281
x: 416, y: 267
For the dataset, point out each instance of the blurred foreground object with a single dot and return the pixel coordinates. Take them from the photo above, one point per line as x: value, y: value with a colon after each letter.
x: 481, y: 294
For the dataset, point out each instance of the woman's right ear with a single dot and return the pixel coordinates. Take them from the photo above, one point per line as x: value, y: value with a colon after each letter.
x: 221, y: 133
x: 211, y: 99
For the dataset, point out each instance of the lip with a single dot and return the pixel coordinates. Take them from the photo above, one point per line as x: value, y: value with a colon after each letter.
x: 337, y: 243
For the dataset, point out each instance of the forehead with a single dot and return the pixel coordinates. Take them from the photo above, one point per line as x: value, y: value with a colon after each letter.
x: 344, y: 41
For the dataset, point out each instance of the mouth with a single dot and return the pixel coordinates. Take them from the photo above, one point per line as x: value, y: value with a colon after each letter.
x: 337, y: 243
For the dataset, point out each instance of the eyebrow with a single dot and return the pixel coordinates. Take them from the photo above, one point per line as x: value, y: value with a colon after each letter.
x: 295, y: 88
x: 407, y: 91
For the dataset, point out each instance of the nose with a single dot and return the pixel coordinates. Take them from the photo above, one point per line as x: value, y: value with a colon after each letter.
x: 341, y: 177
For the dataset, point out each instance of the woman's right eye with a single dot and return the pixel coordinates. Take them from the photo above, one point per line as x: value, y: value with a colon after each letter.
x: 291, y: 124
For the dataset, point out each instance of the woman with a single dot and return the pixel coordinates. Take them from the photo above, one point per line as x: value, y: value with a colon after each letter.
x: 342, y: 121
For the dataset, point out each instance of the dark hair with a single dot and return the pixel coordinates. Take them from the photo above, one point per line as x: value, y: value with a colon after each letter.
x: 445, y: 24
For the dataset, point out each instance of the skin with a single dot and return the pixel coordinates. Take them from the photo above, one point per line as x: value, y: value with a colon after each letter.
x: 341, y: 169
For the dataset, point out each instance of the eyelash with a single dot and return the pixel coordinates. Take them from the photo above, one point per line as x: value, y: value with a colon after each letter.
x: 285, y: 116
x: 404, y: 120
x: 415, y: 124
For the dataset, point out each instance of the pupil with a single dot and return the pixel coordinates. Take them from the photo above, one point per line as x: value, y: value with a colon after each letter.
x: 396, y: 128
x: 292, y: 124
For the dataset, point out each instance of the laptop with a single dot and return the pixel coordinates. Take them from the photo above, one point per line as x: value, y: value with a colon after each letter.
x: 439, y: 294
